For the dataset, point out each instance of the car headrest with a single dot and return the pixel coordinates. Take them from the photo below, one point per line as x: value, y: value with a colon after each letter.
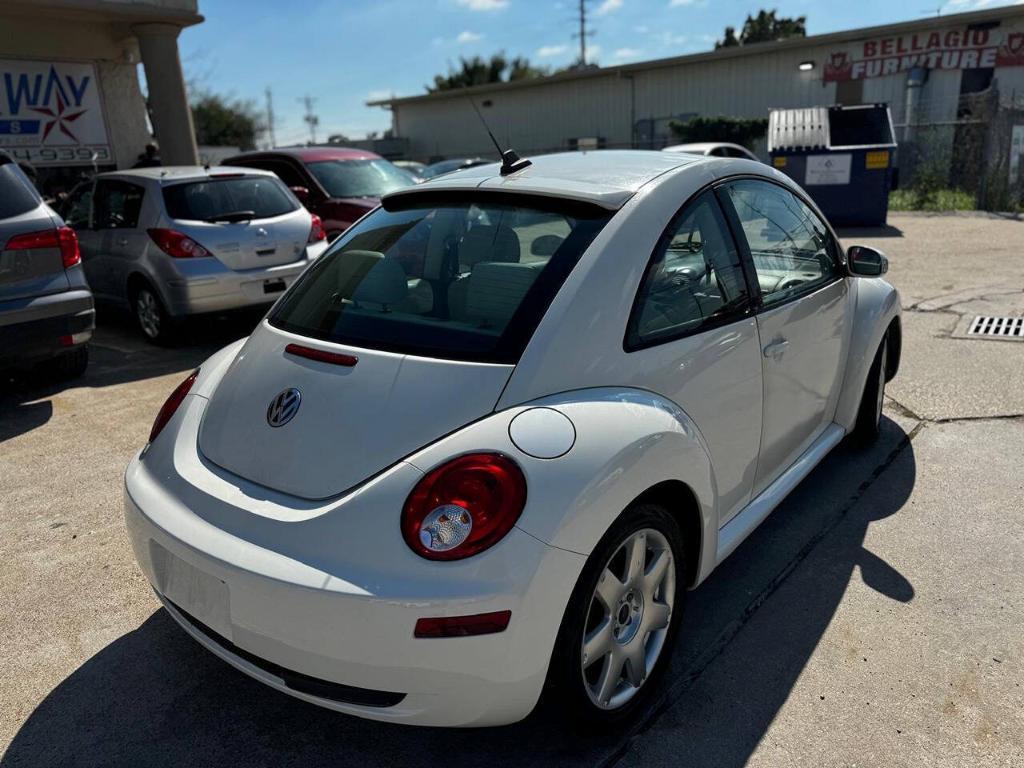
x: 486, y: 242
x: 383, y: 283
x: 496, y: 289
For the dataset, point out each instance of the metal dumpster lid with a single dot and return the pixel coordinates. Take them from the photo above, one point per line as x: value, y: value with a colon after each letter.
x: 810, y: 128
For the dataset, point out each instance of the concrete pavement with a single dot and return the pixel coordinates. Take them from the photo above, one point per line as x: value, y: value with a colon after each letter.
x: 874, y: 619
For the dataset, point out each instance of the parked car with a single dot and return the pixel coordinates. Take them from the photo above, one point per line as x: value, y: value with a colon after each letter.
x: 412, y: 167
x: 484, y: 446
x: 179, y: 241
x: 339, y: 185
x: 456, y: 164
x: 714, y: 149
x: 46, y: 307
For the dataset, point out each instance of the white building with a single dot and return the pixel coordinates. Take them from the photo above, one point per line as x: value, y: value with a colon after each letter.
x: 632, y: 105
x: 70, y: 97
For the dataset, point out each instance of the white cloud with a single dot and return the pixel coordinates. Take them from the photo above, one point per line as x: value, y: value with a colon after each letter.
x: 608, y: 6
x: 379, y: 95
x: 679, y: 3
x: 593, y: 51
x: 642, y: 29
x: 483, y: 5
x: 627, y: 53
x: 467, y: 37
x: 548, y: 51
x: 672, y: 40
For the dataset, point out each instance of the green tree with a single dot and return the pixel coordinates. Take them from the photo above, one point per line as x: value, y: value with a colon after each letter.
x: 220, y: 122
x: 480, y: 71
x: 766, y: 27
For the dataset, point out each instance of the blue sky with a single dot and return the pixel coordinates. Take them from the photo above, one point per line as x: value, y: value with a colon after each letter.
x: 343, y: 52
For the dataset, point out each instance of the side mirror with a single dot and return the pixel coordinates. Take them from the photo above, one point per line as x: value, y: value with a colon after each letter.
x: 302, y: 193
x: 864, y: 261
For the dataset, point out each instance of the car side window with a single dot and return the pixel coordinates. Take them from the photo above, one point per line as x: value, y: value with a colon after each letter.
x: 283, y: 170
x: 117, y: 204
x: 792, y: 249
x: 78, y: 206
x: 694, y: 280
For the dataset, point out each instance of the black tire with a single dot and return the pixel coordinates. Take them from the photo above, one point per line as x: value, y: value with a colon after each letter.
x: 566, y: 691
x: 69, y: 365
x: 869, y: 415
x: 151, y: 317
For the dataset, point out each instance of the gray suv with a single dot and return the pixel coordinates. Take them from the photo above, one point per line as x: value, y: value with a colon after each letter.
x: 178, y: 241
x: 46, y: 308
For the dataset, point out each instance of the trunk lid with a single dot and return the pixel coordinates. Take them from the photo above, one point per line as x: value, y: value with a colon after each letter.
x: 242, y: 245
x: 26, y: 272
x: 351, y: 423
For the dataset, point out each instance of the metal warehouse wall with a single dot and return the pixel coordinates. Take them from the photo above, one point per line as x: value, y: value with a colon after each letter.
x: 544, y: 116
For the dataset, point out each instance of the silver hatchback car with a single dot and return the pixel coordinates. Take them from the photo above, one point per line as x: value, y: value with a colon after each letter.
x: 178, y: 241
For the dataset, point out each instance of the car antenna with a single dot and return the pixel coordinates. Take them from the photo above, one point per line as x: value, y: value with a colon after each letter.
x: 510, y: 161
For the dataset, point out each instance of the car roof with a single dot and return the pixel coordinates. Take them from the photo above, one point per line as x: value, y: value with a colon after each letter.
x: 177, y: 173
x: 702, y: 147
x: 311, y: 154
x: 607, y: 178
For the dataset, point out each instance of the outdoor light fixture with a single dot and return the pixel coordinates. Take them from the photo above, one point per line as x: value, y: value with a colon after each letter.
x: 806, y: 66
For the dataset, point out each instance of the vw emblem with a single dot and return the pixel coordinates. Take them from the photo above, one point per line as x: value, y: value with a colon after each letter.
x: 261, y: 232
x: 283, y: 407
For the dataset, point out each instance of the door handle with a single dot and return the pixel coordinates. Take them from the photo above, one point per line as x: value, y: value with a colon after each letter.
x: 775, y: 348
x: 122, y: 241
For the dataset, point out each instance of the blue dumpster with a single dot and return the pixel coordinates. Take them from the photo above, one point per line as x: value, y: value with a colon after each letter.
x: 842, y: 156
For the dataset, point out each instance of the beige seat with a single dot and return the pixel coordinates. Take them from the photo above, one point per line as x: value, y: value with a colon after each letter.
x: 483, y: 243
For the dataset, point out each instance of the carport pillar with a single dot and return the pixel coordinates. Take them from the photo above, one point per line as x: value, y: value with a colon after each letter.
x: 168, y: 99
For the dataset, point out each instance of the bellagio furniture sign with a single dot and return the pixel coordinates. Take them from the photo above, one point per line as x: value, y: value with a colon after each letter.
x: 51, y: 113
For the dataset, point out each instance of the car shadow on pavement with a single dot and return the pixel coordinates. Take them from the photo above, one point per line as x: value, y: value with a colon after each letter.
x: 117, y: 354
x: 154, y: 697
x: 849, y: 234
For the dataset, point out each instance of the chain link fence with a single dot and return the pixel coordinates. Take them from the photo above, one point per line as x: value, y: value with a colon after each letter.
x: 973, y: 147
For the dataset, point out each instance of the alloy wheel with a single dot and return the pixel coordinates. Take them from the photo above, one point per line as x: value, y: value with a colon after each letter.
x: 148, y: 312
x: 628, y: 620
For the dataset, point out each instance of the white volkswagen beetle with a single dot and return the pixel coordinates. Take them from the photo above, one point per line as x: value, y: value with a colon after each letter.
x: 483, y: 446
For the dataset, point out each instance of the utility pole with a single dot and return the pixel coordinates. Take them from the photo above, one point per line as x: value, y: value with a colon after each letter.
x: 583, y: 34
x: 270, y: 118
x: 311, y: 119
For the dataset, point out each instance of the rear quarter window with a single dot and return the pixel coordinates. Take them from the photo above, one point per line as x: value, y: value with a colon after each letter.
x: 262, y: 196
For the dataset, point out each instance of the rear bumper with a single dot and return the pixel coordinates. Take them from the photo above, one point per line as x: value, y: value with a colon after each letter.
x: 206, y: 285
x: 31, y: 330
x: 319, y: 600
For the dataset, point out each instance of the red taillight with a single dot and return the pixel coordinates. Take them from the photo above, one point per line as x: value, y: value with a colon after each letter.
x: 171, y: 405
x: 463, y: 626
x: 464, y: 506
x: 334, y: 358
x: 316, y: 234
x: 177, y: 244
x: 63, y: 238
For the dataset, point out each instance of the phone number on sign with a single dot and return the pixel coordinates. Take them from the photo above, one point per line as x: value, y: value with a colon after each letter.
x: 100, y: 155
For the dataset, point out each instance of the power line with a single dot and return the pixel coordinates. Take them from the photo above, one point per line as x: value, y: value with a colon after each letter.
x: 310, y: 118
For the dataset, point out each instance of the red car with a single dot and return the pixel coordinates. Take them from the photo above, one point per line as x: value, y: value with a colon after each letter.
x: 337, y: 184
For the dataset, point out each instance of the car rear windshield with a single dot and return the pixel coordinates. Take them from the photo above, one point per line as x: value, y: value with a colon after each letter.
x: 457, y: 279
x: 262, y: 197
x: 359, y: 178
x: 17, y: 196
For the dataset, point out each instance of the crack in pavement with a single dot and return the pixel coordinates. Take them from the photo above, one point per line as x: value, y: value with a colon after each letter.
x: 677, y: 688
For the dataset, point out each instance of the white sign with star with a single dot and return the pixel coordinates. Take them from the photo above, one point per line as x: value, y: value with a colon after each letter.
x: 51, y: 113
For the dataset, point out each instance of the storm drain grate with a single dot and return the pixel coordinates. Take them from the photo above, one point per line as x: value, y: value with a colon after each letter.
x: 997, y: 327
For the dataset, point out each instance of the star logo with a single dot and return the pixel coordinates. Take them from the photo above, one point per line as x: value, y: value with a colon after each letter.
x: 60, y: 118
